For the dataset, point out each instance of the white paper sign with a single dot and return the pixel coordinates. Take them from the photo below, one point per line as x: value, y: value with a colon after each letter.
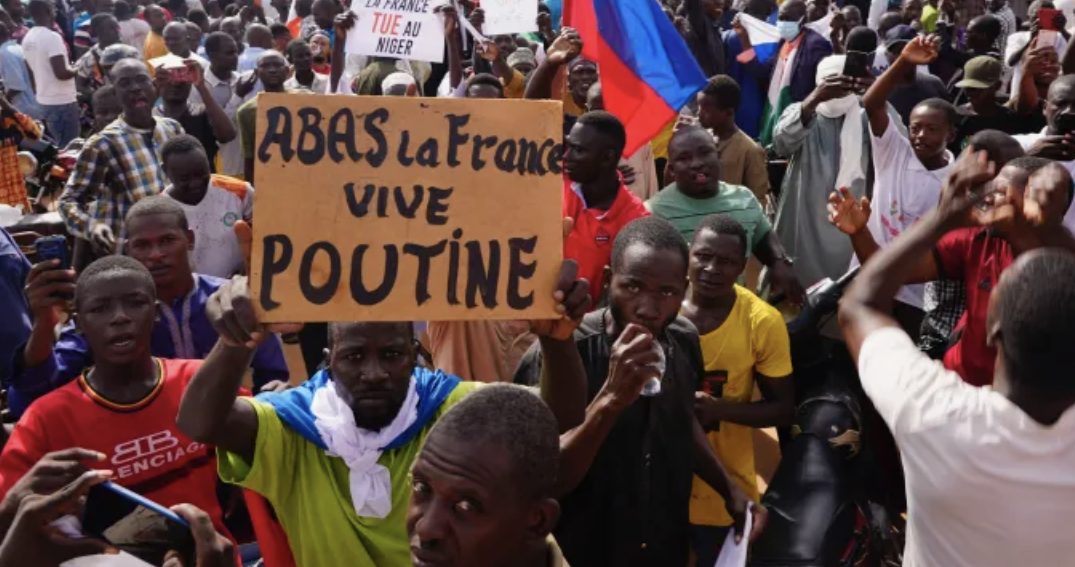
x: 509, y: 16
x: 402, y: 29
x: 735, y: 554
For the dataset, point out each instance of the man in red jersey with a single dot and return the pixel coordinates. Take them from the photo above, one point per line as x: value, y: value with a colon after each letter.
x: 124, y: 407
x: 595, y: 196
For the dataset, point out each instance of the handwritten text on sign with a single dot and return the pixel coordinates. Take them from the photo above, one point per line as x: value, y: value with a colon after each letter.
x: 396, y: 208
x: 403, y: 29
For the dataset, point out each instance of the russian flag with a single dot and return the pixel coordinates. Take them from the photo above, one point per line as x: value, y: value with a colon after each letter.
x: 647, y: 71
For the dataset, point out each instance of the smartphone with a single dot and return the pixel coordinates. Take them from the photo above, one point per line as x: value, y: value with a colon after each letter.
x: 181, y: 74
x: 136, y: 525
x: 1047, y: 19
x: 713, y: 382
x: 1065, y: 123
x: 53, y: 248
x: 857, y: 64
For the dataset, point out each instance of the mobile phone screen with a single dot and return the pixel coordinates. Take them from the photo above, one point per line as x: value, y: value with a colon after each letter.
x: 135, y: 525
x: 856, y: 64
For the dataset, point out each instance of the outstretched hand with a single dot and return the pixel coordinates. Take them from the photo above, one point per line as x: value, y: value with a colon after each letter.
x: 566, y: 47
x: 848, y: 213
x: 921, y: 50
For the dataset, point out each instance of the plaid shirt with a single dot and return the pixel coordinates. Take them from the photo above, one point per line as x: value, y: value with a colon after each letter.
x: 944, y: 302
x: 14, y: 126
x: 118, y: 166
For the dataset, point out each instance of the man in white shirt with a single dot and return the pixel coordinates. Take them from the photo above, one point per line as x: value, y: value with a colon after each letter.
x: 988, y: 470
x: 258, y: 41
x: 177, y: 39
x: 211, y: 203
x: 1057, y: 140
x: 229, y: 91
x: 909, y: 170
x: 132, y: 30
x: 47, y: 56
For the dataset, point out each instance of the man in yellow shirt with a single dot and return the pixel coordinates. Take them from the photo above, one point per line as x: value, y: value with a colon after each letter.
x: 154, y: 46
x: 744, y: 339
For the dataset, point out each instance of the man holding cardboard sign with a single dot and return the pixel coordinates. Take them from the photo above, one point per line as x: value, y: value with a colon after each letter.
x: 353, y: 429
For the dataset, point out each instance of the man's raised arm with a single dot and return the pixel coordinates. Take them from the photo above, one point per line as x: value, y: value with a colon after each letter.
x: 211, y: 411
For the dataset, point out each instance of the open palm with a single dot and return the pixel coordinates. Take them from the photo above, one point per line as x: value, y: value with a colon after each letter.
x: 848, y: 213
x: 921, y: 50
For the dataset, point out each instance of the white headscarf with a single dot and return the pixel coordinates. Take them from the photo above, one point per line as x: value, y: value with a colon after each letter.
x: 850, y: 109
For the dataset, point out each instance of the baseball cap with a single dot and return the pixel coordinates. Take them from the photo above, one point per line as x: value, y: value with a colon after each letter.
x: 899, y: 36
x: 980, y: 72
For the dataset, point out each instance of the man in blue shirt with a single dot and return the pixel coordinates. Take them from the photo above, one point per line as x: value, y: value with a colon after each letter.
x: 15, y: 322
x: 159, y: 238
x: 16, y: 76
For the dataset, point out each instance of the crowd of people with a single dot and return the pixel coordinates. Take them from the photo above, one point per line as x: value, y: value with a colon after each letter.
x: 928, y: 144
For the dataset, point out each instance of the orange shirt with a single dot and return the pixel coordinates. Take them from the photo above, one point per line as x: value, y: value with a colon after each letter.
x: 14, y: 126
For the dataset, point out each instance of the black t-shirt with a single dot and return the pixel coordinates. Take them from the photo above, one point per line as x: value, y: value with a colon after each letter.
x: 632, y: 508
x: 195, y: 121
x: 1006, y: 121
x: 905, y: 97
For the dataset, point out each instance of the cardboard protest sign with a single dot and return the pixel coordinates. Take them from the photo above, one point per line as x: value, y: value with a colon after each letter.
x: 509, y: 16
x: 399, y: 208
x: 402, y: 29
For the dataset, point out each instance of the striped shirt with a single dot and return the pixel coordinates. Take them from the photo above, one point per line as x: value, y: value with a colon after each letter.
x: 118, y: 166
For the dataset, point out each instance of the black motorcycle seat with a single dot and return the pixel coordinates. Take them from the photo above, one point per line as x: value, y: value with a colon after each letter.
x: 810, y: 515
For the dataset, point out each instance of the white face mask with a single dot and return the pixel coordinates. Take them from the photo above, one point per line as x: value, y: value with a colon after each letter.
x: 787, y: 30
x: 838, y: 106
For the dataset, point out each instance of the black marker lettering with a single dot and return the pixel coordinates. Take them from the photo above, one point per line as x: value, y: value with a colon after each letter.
x: 319, y: 294
x: 517, y: 271
x: 455, y: 138
x: 453, y: 267
x: 278, y: 132
x: 271, y: 264
x: 359, y: 208
x: 480, y: 143
x: 377, y: 154
x: 424, y: 254
x: 342, y: 134
x: 427, y: 153
x: 401, y: 153
x: 311, y: 128
x: 437, y: 205
x: 408, y: 210
x: 481, y: 279
x: 363, y: 295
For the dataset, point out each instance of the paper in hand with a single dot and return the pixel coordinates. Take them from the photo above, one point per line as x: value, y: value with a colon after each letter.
x: 735, y: 554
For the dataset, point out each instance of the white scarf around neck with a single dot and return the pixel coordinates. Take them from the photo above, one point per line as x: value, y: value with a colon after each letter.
x: 370, y: 482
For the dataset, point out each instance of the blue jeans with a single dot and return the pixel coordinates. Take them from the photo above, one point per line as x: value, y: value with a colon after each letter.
x: 61, y: 122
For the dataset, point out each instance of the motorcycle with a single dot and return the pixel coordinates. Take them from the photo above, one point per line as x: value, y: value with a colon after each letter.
x: 825, y: 505
x: 45, y: 170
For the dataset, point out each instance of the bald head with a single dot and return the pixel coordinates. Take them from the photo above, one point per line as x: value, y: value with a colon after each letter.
x: 126, y: 68
x: 258, y: 35
x: 177, y: 39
